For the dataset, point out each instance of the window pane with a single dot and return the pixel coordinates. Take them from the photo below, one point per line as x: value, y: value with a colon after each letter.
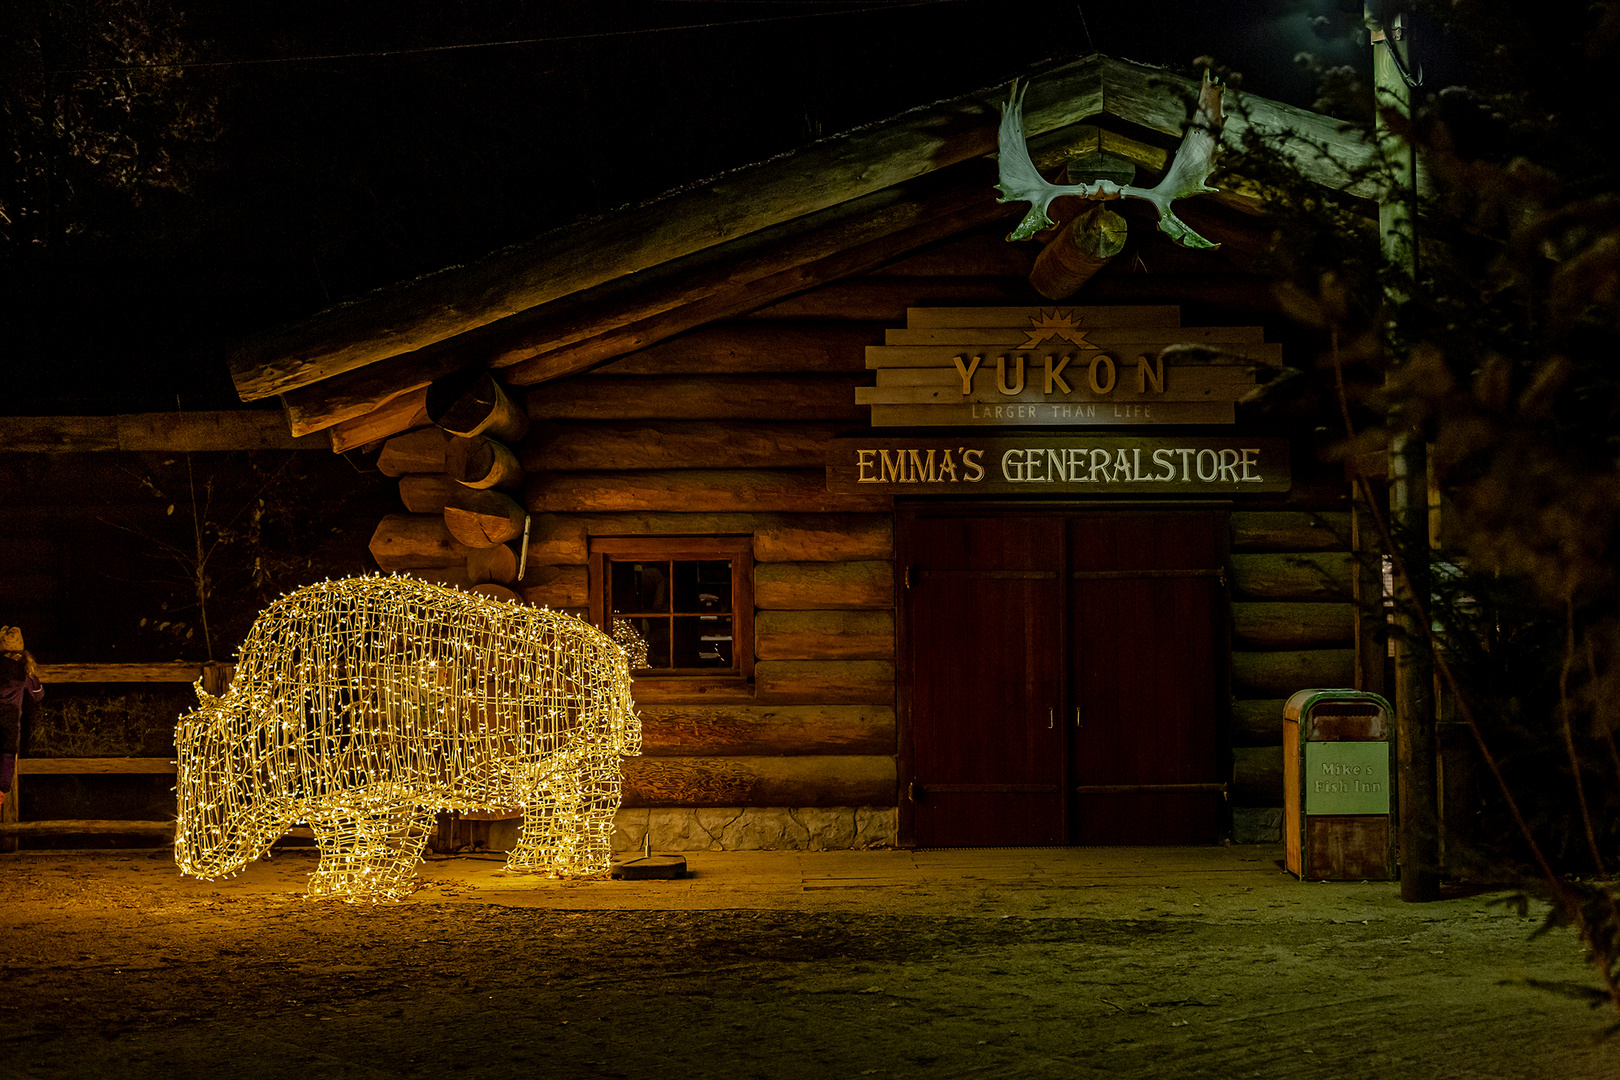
x: 703, y: 585
x: 702, y: 641
x: 640, y: 586
x: 655, y: 632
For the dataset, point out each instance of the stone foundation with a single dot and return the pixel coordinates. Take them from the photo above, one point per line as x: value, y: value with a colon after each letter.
x: 764, y: 829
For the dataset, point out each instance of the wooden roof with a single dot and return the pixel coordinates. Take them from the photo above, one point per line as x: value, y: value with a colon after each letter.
x: 734, y: 243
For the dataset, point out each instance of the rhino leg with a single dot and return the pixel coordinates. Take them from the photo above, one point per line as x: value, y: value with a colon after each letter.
x: 568, y: 820
x: 366, y: 854
x: 601, y: 795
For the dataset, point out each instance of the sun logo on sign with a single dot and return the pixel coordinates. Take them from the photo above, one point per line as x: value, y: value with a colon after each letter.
x: 1056, y: 324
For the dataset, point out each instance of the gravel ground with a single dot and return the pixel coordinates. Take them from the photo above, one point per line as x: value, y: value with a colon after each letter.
x: 1063, y: 963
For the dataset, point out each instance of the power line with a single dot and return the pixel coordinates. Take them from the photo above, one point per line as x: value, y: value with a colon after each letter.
x: 895, y: 5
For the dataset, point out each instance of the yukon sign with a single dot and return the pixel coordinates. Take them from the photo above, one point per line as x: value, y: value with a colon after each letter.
x: 1078, y: 464
x: 1061, y: 367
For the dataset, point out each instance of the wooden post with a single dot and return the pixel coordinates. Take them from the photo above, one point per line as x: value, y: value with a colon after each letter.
x: 1080, y: 249
x: 1408, y: 484
x: 8, y: 812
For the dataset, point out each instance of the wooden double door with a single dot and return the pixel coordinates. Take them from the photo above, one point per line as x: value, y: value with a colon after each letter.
x: 1066, y: 676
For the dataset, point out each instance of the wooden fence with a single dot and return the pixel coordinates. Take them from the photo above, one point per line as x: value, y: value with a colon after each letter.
x: 215, y: 678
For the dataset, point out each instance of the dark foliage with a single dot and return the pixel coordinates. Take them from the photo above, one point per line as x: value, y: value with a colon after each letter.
x: 1501, y: 354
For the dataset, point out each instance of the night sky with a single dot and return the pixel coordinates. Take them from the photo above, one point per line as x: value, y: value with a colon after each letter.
x: 302, y: 154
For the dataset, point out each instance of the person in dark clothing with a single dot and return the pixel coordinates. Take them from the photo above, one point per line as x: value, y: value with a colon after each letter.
x: 19, y: 676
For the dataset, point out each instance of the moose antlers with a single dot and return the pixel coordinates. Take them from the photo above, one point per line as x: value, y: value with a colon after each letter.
x: 1194, y: 161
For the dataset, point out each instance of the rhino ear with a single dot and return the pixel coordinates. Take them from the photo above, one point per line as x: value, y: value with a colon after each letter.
x: 204, y: 698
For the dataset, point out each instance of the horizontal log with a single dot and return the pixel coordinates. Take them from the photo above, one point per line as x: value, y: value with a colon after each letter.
x: 973, y: 254
x: 556, y: 586
x: 498, y: 564
x: 924, y: 322
x: 557, y: 541
x: 334, y: 344
x: 1290, y: 530
x: 371, y: 394
x: 1257, y: 776
x: 433, y: 493
x: 482, y: 462
x: 67, y: 827
x: 177, y: 431
x: 1248, y: 294
x: 704, y: 730
x: 564, y: 539
x: 811, y: 586
x: 660, y: 302
x: 885, y: 299
x: 651, y: 690
x: 404, y: 541
x: 77, y: 766
x: 1257, y: 721
x: 1287, y: 625
x: 824, y: 635
x: 714, y: 397
x: 1280, y: 674
x: 677, y: 444
x: 840, y: 780
x: 1294, y: 576
x: 655, y: 302
x: 1121, y: 332
x: 743, y: 348
x: 398, y: 410
x: 482, y: 518
x: 711, y: 490
x: 825, y: 682
x: 419, y: 451
x: 821, y: 538
x: 179, y: 671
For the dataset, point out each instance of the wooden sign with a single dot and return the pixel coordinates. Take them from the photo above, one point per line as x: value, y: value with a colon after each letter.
x: 1041, y: 464
x: 1060, y: 367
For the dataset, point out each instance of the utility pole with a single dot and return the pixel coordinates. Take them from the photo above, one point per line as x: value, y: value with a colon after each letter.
x: 1389, y: 28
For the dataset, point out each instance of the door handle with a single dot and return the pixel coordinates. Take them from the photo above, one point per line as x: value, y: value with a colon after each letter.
x: 1077, y: 722
x: 1050, y: 718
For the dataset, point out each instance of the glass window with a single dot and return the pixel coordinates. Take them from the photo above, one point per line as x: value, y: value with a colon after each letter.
x: 683, y: 606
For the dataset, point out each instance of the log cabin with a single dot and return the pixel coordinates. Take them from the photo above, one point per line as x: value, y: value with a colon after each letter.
x: 924, y: 536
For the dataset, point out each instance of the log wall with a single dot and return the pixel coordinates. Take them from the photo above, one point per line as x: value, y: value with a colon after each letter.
x: 1293, y: 624
x: 662, y: 443
x: 723, y: 431
x: 720, y: 432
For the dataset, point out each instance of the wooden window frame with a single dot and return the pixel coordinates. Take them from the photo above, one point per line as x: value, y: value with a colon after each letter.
x: 739, y: 550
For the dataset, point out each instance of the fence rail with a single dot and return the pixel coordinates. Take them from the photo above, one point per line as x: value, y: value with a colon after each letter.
x: 216, y: 678
x: 170, y: 671
x: 79, y: 766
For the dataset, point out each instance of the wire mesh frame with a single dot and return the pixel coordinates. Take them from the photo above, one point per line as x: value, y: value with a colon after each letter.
x: 366, y: 705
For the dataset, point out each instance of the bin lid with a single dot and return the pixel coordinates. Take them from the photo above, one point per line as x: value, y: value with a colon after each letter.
x: 1304, y: 700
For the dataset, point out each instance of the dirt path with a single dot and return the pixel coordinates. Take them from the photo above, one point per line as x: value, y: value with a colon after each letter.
x: 787, y: 967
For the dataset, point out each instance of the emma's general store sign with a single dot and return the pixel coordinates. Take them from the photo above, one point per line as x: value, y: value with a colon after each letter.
x: 1063, y: 367
x: 1054, y: 464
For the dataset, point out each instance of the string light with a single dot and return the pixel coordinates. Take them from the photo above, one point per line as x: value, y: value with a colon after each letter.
x: 631, y: 641
x: 366, y: 705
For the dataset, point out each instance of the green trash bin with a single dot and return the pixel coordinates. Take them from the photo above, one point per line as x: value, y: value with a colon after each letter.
x: 1338, y: 786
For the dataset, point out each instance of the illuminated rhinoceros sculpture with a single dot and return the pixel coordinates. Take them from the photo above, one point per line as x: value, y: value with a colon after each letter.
x: 363, y: 706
